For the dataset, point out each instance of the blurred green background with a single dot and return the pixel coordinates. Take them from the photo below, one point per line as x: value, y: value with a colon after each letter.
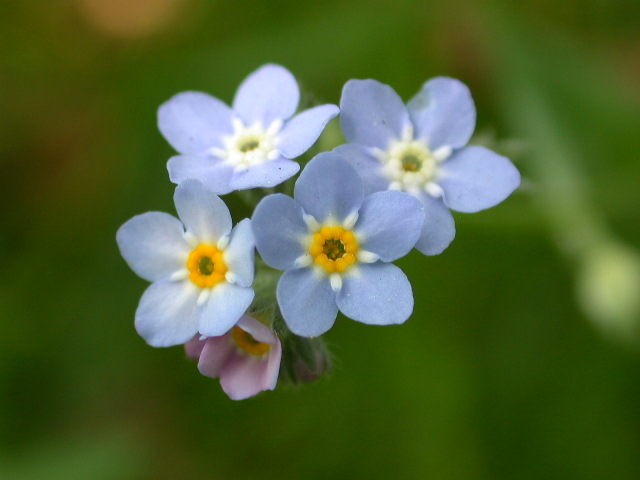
x: 521, y: 360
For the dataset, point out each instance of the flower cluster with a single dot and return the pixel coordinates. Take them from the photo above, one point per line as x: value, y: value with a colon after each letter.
x: 327, y: 248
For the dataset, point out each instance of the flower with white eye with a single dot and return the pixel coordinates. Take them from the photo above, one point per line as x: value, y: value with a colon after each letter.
x: 246, y: 358
x: 201, y: 268
x: 247, y: 145
x: 419, y: 148
x: 335, y: 246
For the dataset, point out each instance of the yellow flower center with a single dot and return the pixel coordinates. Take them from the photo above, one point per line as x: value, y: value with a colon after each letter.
x: 250, y: 345
x: 334, y: 248
x: 206, y: 266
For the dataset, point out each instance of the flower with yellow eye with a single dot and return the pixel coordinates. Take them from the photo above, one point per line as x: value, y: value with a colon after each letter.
x: 250, y: 144
x: 246, y: 358
x: 201, y: 268
x: 420, y: 148
x: 335, y: 246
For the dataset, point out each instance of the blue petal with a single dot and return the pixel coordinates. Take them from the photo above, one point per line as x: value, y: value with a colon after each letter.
x: 279, y: 230
x: 227, y: 303
x: 167, y: 314
x: 372, y: 113
x: 193, y: 122
x: 307, y: 302
x: 153, y: 245
x: 266, y: 174
x: 269, y: 93
x: 476, y: 178
x: 368, y: 167
x: 443, y: 113
x: 212, y: 172
x: 303, y: 130
x: 329, y: 187
x: 203, y: 213
x: 389, y: 224
x: 376, y: 294
x: 438, y: 230
x: 239, y: 255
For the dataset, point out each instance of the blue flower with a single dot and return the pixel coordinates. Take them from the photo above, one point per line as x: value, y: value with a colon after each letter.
x: 334, y: 245
x: 420, y: 148
x: 201, y: 268
x: 249, y: 145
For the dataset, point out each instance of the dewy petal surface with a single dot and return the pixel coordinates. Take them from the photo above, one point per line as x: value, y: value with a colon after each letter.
x: 193, y: 122
x: 329, y: 186
x: 476, y: 178
x: 267, y: 174
x: 203, y: 213
x: 376, y: 294
x: 225, y: 306
x: 439, y: 228
x: 212, y: 172
x: 443, y: 113
x: 239, y: 255
x: 307, y: 302
x: 153, y: 245
x: 167, y: 313
x: 389, y: 224
x: 279, y: 229
x: 368, y: 167
x: 303, y: 130
x: 269, y: 93
x: 372, y: 113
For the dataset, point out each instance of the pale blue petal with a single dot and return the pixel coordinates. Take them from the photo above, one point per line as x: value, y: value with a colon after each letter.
x: 476, y: 178
x: 153, y: 245
x: 368, y: 167
x: 203, y: 213
x: 376, y: 294
x: 279, y: 229
x: 389, y: 224
x: 372, y: 113
x: 227, y: 303
x: 269, y: 93
x: 443, y: 113
x: 307, y: 302
x: 215, y: 174
x: 438, y: 230
x: 239, y: 254
x: 303, y: 130
x: 193, y: 122
x: 267, y: 174
x: 167, y: 314
x: 329, y: 186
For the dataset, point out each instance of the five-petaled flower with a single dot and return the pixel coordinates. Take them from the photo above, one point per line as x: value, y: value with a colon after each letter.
x: 248, y: 145
x: 246, y: 358
x: 201, y: 268
x: 334, y: 245
x: 420, y: 148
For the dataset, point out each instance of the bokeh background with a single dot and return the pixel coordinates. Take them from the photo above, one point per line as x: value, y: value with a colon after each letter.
x: 521, y: 360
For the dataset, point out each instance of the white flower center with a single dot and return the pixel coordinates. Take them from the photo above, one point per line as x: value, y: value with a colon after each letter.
x: 250, y: 145
x: 410, y: 165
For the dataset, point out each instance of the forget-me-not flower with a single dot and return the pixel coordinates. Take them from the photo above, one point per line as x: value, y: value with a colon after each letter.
x: 201, y: 268
x: 246, y: 358
x: 334, y: 245
x: 420, y: 148
x: 248, y: 145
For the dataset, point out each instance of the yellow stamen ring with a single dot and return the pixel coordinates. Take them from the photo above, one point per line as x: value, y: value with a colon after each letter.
x: 248, y: 344
x: 206, y: 266
x: 334, y: 248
